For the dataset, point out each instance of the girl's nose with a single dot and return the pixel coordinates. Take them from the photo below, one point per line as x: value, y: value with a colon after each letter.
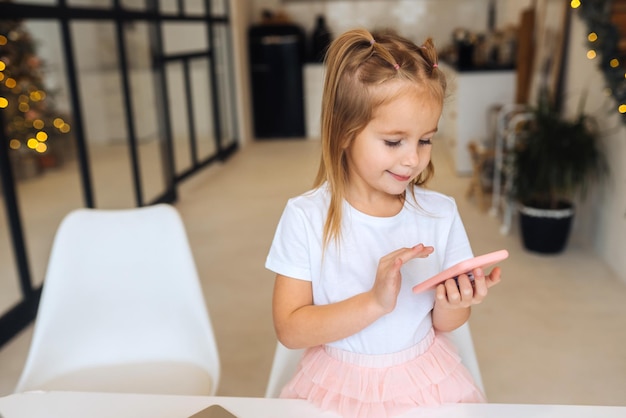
x: 411, y: 158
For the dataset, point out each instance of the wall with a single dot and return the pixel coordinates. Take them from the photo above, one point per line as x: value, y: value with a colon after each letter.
x: 240, y: 12
x: 601, y: 218
x: 415, y: 19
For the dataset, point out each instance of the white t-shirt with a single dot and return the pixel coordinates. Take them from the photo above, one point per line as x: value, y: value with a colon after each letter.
x: 350, y: 268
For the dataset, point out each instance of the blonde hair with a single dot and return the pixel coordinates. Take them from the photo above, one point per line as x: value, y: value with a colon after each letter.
x: 358, y: 63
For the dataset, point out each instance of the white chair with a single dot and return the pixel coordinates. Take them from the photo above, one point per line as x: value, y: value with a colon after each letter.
x: 122, y: 309
x: 286, y: 361
x: 283, y: 368
x: 462, y: 339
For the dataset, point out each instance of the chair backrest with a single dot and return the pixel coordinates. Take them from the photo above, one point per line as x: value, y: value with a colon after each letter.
x: 462, y: 339
x: 122, y: 308
x: 286, y: 361
x: 283, y: 369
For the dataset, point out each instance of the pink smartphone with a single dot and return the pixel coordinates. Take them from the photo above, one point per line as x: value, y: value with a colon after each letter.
x: 464, y: 267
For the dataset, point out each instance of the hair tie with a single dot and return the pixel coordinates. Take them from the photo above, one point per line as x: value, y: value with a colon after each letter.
x: 396, y: 66
x: 435, y: 65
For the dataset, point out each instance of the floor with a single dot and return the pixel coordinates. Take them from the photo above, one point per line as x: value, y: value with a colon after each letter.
x: 552, y: 332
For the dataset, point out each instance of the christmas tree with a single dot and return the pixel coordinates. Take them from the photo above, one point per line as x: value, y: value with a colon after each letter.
x: 35, y: 131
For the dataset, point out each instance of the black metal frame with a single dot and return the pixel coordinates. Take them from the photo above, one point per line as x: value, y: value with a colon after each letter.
x: 22, y: 314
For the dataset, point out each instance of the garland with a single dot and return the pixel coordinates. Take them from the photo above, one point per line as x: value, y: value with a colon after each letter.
x: 603, y: 39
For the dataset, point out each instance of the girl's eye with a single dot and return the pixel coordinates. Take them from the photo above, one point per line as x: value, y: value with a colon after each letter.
x: 426, y: 141
x: 392, y: 143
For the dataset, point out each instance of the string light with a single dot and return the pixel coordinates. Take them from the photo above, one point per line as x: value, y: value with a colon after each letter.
x: 58, y: 122
x: 32, y: 143
x: 3, y: 102
x: 597, y: 15
x: 36, y: 96
x: 10, y: 83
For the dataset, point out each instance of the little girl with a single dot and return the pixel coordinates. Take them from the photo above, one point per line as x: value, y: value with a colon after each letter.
x: 347, y: 253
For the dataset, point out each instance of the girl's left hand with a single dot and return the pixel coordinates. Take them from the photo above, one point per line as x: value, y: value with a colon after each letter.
x: 467, y: 293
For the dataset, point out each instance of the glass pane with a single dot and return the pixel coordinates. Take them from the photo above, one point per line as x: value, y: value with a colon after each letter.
x: 169, y: 6
x: 178, y: 117
x: 219, y: 7
x: 134, y: 5
x: 184, y: 37
x: 37, y: 2
x: 103, y: 112
x: 226, y: 84
x: 90, y: 3
x: 202, y: 108
x: 194, y: 7
x: 145, y: 116
x: 42, y: 146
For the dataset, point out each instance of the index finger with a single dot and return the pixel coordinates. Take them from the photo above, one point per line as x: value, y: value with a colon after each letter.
x: 418, y: 251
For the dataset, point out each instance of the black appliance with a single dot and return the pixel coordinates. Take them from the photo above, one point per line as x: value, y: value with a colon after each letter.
x: 277, y: 54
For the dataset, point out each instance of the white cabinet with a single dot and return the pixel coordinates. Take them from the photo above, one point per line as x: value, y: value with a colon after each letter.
x: 465, y: 117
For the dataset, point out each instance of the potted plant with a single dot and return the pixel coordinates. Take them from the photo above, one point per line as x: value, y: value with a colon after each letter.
x: 554, y: 160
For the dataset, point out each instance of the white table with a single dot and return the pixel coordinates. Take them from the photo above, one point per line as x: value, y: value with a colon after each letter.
x: 112, y: 405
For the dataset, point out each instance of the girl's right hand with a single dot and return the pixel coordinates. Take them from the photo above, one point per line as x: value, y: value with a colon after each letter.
x: 388, y: 278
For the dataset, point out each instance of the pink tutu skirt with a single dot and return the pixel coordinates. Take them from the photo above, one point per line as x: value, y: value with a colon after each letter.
x: 377, y: 386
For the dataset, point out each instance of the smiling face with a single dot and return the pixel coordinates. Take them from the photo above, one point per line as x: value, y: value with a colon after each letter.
x: 391, y: 151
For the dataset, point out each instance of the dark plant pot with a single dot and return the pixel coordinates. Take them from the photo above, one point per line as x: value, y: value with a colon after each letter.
x: 545, y: 231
